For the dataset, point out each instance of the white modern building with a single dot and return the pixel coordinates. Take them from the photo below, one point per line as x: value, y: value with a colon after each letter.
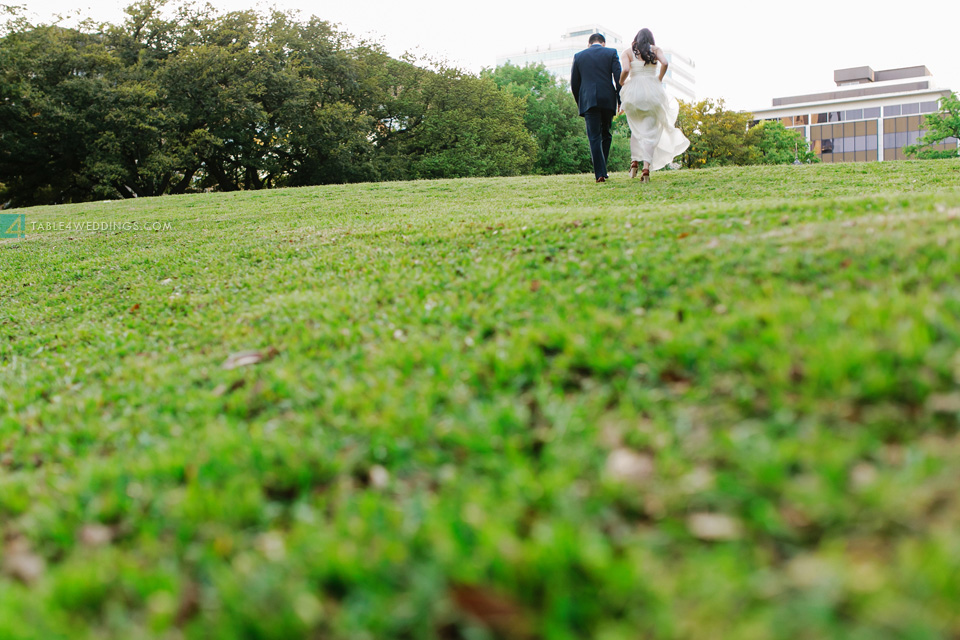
x: 557, y: 57
x: 869, y: 116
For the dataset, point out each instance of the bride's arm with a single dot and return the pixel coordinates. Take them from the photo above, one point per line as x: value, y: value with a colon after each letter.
x: 663, y: 62
x: 624, y: 65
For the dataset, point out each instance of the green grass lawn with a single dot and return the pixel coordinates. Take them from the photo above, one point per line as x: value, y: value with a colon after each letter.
x: 722, y: 405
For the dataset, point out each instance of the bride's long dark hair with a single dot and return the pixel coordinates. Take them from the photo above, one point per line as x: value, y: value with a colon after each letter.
x: 643, y: 46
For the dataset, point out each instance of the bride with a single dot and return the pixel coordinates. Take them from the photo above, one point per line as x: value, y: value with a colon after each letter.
x: 651, y: 113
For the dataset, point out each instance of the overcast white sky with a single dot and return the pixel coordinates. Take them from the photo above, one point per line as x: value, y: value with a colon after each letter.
x: 744, y: 55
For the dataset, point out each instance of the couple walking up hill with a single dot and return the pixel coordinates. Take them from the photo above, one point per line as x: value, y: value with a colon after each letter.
x: 603, y: 83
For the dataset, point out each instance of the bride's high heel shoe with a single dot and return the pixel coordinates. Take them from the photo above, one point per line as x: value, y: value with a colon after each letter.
x: 634, y: 167
x: 645, y: 176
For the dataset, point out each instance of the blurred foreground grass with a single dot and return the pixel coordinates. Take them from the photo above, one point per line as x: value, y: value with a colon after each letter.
x: 721, y: 405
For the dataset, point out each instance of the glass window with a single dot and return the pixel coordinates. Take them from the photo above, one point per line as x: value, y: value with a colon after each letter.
x: 889, y: 140
x: 838, y: 145
x: 913, y: 123
x: 913, y: 107
x: 801, y: 120
x: 849, y: 129
x: 861, y: 156
x: 835, y: 116
x: 860, y: 143
x: 827, y: 145
x: 854, y: 114
x: 787, y: 121
x: 872, y: 112
x: 872, y: 156
x: 912, y: 137
x: 848, y: 144
x: 815, y: 133
x: 928, y: 107
x: 860, y: 129
x: 893, y: 110
x: 848, y: 156
x: 837, y: 131
x: 871, y: 143
x: 816, y: 146
x: 872, y: 127
x: 951, y: 140
x: 827, y: 157
x: 819, y: 118
x: 902, y: 139
x: 901, y: 125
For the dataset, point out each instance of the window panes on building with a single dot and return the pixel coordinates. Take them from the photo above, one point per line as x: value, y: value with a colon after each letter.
x: 852, y: 135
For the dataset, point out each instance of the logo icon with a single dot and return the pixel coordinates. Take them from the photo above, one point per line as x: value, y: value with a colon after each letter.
x: 13, y: 225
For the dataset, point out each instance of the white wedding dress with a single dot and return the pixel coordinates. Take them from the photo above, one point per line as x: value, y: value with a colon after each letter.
x: 652, y: 115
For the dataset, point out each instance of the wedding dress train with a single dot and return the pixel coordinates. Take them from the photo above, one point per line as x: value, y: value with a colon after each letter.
x: 652, y: 115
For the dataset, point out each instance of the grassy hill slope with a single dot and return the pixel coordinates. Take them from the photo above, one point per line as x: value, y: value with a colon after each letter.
x: 721, y: 405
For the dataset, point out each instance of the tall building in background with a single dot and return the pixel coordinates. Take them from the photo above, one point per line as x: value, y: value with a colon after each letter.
x: 557, y: 57
x: 870, y: 116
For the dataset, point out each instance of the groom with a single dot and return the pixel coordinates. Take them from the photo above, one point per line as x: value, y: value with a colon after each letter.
x: 595, y: 82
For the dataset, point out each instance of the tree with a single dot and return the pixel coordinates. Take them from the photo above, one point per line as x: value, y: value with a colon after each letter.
x: 167, y: 103
x: 183, y: 98
x: 620, y: 154
x: 943, y: 126
x: 50, y: 78
x: 775, y: 144
x: 717, y: 135
x: 466, y: 127
x: 551, y: 116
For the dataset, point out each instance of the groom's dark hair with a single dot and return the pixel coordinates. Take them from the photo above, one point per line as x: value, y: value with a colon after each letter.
x: 597, y: 37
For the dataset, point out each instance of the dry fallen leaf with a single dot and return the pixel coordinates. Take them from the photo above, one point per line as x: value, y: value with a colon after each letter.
x: 222, y: 389
x: 379, y: 477
x: 245, y: 358
x: 492, y: 610
x: 714, y: 526
x: 20, y: 563
x: 629, y: 467
x: 795, y: 517
x: 863, y: 475
x: 534, y: 285
x: 808, y: 570
x: 944, y: 403
x: 189, y: 603
x: 95, y: 535
x: 272, y: 545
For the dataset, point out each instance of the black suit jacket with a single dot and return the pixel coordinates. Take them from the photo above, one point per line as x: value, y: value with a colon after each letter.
x: 595, y: 78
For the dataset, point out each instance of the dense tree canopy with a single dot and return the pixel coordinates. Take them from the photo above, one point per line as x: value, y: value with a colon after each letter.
x: 718, y: 136
x: 167, y: 103
x: 773, y: 143
x: 551, y: 115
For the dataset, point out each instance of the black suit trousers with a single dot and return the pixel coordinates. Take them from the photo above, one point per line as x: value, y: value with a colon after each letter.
x: 598, y: 123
